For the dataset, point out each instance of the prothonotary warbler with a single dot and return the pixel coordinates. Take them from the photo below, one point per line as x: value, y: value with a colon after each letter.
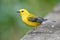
x: 30, y: 19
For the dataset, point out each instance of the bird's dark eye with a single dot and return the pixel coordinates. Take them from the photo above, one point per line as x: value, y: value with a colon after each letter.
x: 22, y: 11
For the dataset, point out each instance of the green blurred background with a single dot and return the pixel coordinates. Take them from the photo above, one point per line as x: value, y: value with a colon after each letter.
x: 11, y: 25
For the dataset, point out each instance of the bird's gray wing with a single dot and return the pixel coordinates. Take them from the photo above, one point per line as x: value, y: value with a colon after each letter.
x: 38, y: 19
x: 32, y: 19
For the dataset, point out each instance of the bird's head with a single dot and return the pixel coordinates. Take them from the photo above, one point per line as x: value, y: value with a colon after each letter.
x: 23, y: 12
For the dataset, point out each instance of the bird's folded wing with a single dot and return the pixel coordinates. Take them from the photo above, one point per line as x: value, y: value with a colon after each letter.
x: 32, y: 19
x: 38, y: 19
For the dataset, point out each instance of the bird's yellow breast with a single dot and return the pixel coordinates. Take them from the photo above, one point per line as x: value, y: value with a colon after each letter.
x: 33, y: 24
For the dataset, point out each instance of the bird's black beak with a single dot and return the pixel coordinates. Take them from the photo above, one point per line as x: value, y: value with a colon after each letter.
x: 18, y: 11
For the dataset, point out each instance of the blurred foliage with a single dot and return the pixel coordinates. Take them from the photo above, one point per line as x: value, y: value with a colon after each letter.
x: 11, y: 25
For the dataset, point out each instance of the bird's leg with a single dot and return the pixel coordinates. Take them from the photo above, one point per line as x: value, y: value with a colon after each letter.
x: 34, y: 28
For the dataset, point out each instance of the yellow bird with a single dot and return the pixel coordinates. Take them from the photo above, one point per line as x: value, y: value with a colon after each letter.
x: 30, y: 19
